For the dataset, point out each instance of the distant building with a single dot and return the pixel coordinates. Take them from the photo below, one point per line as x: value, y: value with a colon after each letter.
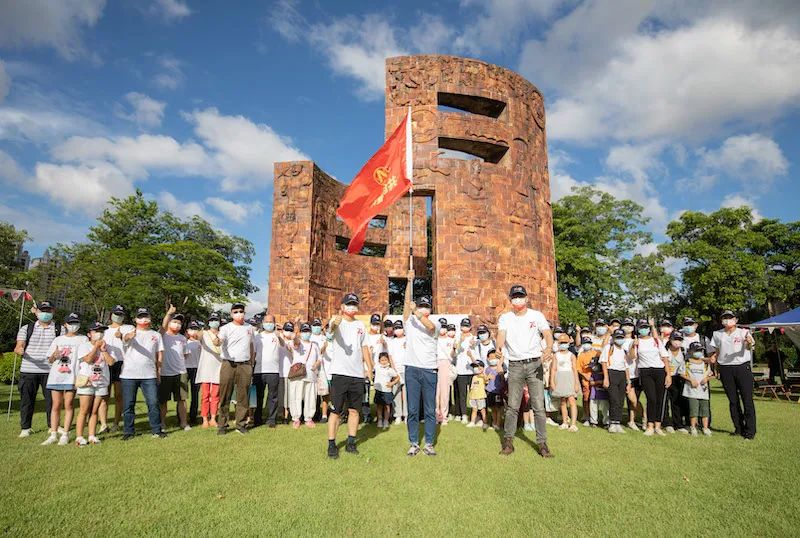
x: 44, y: 288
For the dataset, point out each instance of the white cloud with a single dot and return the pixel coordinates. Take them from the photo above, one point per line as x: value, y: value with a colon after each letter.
x: 82, y: 189
x: 43, y: 23
x: 236, y: 211
x: 171, y: 74
x: 10, y: 172
x: 183, y: 208
x: 244, y: 152
x: 747, y: 157
x: 137, y: 156
x: 146, y: 111
x: 44, y: 229
x: 170, y: 10
x: 636, y: 160
x: 5, y: 81
x: 40, y: 120
x: 499, y: 23
x: 561, y: 185
x: 431, y: 34
x: 738, y: 200
x: 287, y: 20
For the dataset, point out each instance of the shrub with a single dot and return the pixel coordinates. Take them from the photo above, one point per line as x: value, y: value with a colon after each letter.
x: 6, y: 365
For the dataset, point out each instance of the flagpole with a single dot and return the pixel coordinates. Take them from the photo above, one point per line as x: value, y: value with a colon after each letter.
x: 14, y: 369
x: 410, y: 175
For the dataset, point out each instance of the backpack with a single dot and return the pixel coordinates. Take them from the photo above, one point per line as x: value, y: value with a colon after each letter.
x: 29, y: 332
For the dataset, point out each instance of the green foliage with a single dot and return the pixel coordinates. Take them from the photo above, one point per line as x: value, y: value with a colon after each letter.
x: 782, y: 258
x: 7, y: 366
x: 10, y: 240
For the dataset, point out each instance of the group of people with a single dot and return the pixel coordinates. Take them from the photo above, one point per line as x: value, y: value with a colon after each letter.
x: 420, y: 370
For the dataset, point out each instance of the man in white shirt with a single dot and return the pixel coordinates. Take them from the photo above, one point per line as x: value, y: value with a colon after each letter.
x: 113, y: 339
x: 350, y: 359
x: 266, y: 373
x: 732, y: 349
x: 421, y: 369
x: 174, y: 382
x: 144, y: 353
x: 519, y: 342
x: 239, y: 355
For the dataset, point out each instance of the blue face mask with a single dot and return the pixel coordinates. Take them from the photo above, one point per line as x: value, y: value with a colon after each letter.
x: 563, y: 347
x: 688, y: 329
x: 619, y: 341
x: 316, y: 329
x: 269, y: 326
x: 698, y: 355
x: 45, y: 316
x: 644, y: 331
x: 305, y: 337
x: 601, y: 330
x: 483, y: 336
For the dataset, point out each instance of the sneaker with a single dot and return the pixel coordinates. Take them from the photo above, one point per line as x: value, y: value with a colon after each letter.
x: 25, y: 433
x: 670, y: 429
x: 333, y: 452
x: 529, y: 428
x: 103, y: 429
x: 484, y: 426
x: 80, y: 442
x: 398, y: 420
x: 660, y: 432
x: 573, y: 428
x: 693, y: 431
x: 464, y: 419
x: 159, y: 435
x: 471, y: 425
x: 445, y: 422
x: 94, y: 440
x: 586, y: 423
x: 310, y: 424
x: 564, y: 426
x: 479, y: 423
x: 296, y: 424
x: 386, y: 425
x: 648, y: 432
x: 429, y: 450
x: 507, y: 446
x: 707, y: 432
x: 633, y: 426
x: 127, y: 437
x: 271, y: 425
x: 682, y: 430
x: 52, y: 438
x: 413, y: 450
x: 163, y: 427
x: 544, y: 451
x: 63, y: 440
x: 187, y: 428
x: 324, y: 420
x: 551, y: 422
x: 113, y: 428
x: 351, y: 448
x: 242, y: 431
x: 60, y: 430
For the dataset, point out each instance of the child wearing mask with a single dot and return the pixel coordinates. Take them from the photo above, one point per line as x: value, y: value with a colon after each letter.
x: 485, y: 343
x: 598, y: 395
x: 92, y: 382
x: 192, y: 363
x: 674, y: 396
x: 549, y: 406
x: 464, y: 347
x: 397, y: 354
x: 634, y: 388
x: 564, y: 382
x: 386, y: 378
x: 63, y: 357
x: 495, y: 389
x: 584, y: 364
x: 696, y: 373
x: 477, y: 396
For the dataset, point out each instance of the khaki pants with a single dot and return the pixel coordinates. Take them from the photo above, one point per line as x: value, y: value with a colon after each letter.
x: 239, y: 375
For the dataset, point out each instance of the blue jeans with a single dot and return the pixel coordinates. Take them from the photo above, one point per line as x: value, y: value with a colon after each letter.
x: 150, y: 391
x: 421, y: 381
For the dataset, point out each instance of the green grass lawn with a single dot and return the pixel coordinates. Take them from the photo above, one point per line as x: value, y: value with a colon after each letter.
x: 279, y: 482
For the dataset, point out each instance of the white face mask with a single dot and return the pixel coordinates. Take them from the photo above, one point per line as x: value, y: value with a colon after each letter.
x: 563, y: 347
x: 238, y: 316
x: 476, y: 370
x: 586, y: 347
x: 117, y: 318
x: 288, y: 336
x: 483, y: 336
x: 269, y: 326
x: 350, y: 310
x: 97, y: 336
x: 618, y: 341
x: 143, y: 322
x: 518, y: 302
x: 728, y: 322
x: 399, y: 332
x: 175, y: 325
x: 73, y: 327
x: 492, y: 362
x: 698, y: 355
x: 213, y: 324
x: 305, y: 337
x: 601, y: 331
x: 191, y: 332
x: 627, y: 329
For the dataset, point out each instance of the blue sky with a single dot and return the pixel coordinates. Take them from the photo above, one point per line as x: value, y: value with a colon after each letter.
x: 675, y: 104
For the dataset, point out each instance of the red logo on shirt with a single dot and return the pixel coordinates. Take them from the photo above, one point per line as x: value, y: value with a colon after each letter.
x: 532, y: 325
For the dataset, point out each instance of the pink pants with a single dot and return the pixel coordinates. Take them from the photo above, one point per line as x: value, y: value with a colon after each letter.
x: 443, y: 390
x: 209, y: 399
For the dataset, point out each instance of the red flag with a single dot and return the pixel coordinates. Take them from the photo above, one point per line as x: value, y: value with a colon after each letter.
x: 381, y: 182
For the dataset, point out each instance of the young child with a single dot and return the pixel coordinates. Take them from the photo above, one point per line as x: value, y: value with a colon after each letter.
x: 386, y: 377
x: 92, y: 382
x: 585, y: 356
x: 525, y: 411
x: 697, y: 373
x: 477, y: 395
x: 495, y: 389
x: 564, y: 382
x: 598, y: 396
x: 549, y: 406
x: 615, y: 378
x: 63, y: 357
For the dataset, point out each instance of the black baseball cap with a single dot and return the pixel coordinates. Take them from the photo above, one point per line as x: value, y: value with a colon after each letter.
x: 642, y: 323
x: 97, y: 326
x: 351, y: 298
x: 119, y: 310
x: 696, y: 346
x: 619, y: 333
x: 305, y: 328
x: 178, y: 317
x: 72, y: 317
x: 423, y: 300
x: 517, y: 291
x: 45, y: 305
x: 477, y: 363
x: 288, y: 326
x: 375, y: 319
x: 236, y: 306
x: 600, y: 321
x: 688, y: 321
x: 451, y: 327
x: 728, y: 314
x: 194, y: 325
x: 586, y: 340
x: 398, y: 324
x: 483, y: 329
x: 387, y: 323
x: 316, y: 322
x: 142, y: 313
x: 676, y: 335
x: 442, y: 322
x: 665, y: 322
x: 465, y: 322
x: 628, y: 321
x: 615, y: 320
x: 214, y: 316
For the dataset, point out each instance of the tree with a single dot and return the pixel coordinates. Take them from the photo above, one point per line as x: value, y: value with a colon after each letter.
x: 11, y: 240
x: 648, y: 286
x: 782, y: 258
x: 724, y: 269
x: 138, y: 256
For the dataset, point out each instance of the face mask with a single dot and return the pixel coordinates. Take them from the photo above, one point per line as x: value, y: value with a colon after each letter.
x: 644, y: 331
x: 442, y: 332
x: 729, y: 322
x: 288, y: 335
x: 399, y: 332
x: 117, y: 318
x: 142, y: 322
x: 305, y: 337
x: 97, y: 336
x: 666, y: 331
x: 269, y: 326
x: 697, y: 354
x: 376, y: 328
x: 73, y: 327
x: 351, y: 310
x: 492, y: 362
x: 619, y: 341
x: 213, y: 324
x: 314, y: 330
x: 424, y: 312
x: 627, y: 329
x: 688, y: 329
x: 451, y: 334
x: 586, y: 347
x: 175, y: 325
x: 191, y: 332
x: 601, y: 331
x: 238, y: 316
x: 476, y: 370
x: 483, y: 336
x: 518, y: 303
x: 45, y: 316
x: 563, y: 347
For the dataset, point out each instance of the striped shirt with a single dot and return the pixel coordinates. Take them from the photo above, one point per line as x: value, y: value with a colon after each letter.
x: 34, y: 360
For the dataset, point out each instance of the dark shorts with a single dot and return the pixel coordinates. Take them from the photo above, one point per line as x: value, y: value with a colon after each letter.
x: 346, y: 393
x: 116, y: 370
x: 636, y: 385
x: 494, y: 399
x: 175, y: 387
x: 384, y: 398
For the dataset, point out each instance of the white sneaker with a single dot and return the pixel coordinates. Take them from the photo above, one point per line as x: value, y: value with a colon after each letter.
x: 694, y: 431
x: 633, y: 426
x: 163, y: 427
x: 52, y: 438
x: 80, y: 442
x: 587, y: 423
x: 25, y: 433
x: 187, y: 428
x: 551, y: 422
x: 707, y: 432
x: 484, y: 426
x: 573, y: 428
x: 464, y: 419
x: 479, y: 423
x: 529, y: 428
x: 648, y: 432
x: 670, y: 429
x: 60, y: 430
x: 471, y: 425
x: 682, y: 430
x: 94, y: 440
x: 450, y: 417
x: 398, y: 420
x: 63, y: 440
x: 564, y: 426
x: 660, y: 432
x: 445, y: 422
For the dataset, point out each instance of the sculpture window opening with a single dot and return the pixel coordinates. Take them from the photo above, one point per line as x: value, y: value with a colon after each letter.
x: 473, y: 104
x: 373, y: 250
x: 489, y: 152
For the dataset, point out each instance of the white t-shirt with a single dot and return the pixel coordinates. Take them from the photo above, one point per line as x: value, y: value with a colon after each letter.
x: 306, y: 353
x: 236, y: 341
x: 615, y: 357
x: 141, y: 353
x: 376, y: 344
x: 268, y: 360
x: 523, y: 334
x: 732, y: 348
x: 444, y: 348
x: 696, y: 371
x: 192, y: 353
x: 97, y: 371
x: 285, y: 358
x: 563, y: 361
x: 650, y: 353
x: 383, y: 375
x: 174, y: 354
x: 466, y: 353
x: 114, y: 344
x: 420, y: 343
x: 64, y: 369
x: 325, y: 366
x: 484, y: 348
x: 633, y: 364
x: 397, y: 351
x: 210, y: 360
x: 346, y: 354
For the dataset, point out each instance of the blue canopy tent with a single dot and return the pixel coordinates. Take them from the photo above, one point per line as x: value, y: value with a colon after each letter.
x: 788, y: 321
